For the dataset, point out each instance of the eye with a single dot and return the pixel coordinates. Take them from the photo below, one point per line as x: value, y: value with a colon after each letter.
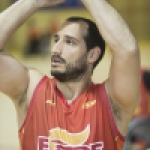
x: 70, y: 42
x: 56, y: 40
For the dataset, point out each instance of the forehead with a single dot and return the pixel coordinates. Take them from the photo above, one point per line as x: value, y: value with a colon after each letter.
x: 74, y: 29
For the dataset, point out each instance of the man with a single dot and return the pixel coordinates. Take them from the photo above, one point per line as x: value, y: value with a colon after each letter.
x: 69, y: 111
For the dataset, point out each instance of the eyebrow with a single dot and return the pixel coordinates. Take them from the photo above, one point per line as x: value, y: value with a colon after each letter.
x: 67, y: 37
x: 56, y: 36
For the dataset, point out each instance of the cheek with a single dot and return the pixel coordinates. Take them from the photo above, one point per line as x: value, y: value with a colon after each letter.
x: 70, y: 55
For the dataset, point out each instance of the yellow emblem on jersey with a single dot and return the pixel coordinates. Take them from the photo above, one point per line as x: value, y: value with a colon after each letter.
x: 89, y: 104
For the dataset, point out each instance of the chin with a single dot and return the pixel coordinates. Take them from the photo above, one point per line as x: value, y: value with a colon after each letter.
x: 59, y: 75
x: 57, y: 71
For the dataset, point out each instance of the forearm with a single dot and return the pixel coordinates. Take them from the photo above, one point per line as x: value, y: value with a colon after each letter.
x: 111, y: 25
x: 13, y: 17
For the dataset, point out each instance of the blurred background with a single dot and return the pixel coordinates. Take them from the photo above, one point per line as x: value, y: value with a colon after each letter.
x: 32, y: 42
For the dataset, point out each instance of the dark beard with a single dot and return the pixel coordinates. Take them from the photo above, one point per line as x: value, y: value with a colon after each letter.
x: 74, y: 72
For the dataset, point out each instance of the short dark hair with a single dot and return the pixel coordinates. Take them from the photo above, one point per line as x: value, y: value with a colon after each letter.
x: 146, y: 79
x: 93, y: 37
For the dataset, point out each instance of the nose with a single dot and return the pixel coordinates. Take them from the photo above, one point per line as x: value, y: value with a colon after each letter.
x: 57, y: 48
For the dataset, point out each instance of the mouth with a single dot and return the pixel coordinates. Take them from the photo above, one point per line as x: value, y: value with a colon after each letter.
x: 56, y: 61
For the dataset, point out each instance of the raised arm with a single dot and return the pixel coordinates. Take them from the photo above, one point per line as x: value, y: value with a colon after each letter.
x: 12, y: 18
x: 124, y: 77
x: 14, y: 77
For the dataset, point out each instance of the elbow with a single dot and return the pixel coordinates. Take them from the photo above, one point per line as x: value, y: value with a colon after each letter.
x: 128, y: 47
x: 131, y: 46
x: 131, y: 51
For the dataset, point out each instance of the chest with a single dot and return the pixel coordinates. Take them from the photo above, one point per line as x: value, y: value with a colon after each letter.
x: 83, y: 124
x: 76, y: 116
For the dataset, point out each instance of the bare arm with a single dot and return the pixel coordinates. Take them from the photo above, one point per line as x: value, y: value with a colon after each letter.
x: 12, y: 18
x: 14, y: 77
x: 124, y: 78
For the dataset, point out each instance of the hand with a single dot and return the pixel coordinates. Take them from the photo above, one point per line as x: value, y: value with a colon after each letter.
x: 45, y: 3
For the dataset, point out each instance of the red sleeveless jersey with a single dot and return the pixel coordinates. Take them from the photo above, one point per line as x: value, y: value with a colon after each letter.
x: 86, y: 124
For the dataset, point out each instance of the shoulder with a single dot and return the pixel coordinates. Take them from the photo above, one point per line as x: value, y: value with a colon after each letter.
x: 99, y: 88
x: 35, y: 77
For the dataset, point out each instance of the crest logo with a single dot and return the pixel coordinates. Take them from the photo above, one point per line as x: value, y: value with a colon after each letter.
x: 60, y: 139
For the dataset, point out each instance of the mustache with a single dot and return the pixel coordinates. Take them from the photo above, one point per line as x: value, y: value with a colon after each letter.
x: 58, y: 57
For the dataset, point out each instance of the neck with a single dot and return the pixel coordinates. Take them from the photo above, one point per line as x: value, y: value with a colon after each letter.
x: 71, y: 90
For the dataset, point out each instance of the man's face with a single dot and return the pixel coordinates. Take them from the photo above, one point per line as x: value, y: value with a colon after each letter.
x: 69, y: 54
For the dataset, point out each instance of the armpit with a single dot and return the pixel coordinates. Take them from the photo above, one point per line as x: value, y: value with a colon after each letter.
x: 116, y: 110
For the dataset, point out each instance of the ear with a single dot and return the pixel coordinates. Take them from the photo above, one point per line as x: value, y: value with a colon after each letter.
x: 93, y: 54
